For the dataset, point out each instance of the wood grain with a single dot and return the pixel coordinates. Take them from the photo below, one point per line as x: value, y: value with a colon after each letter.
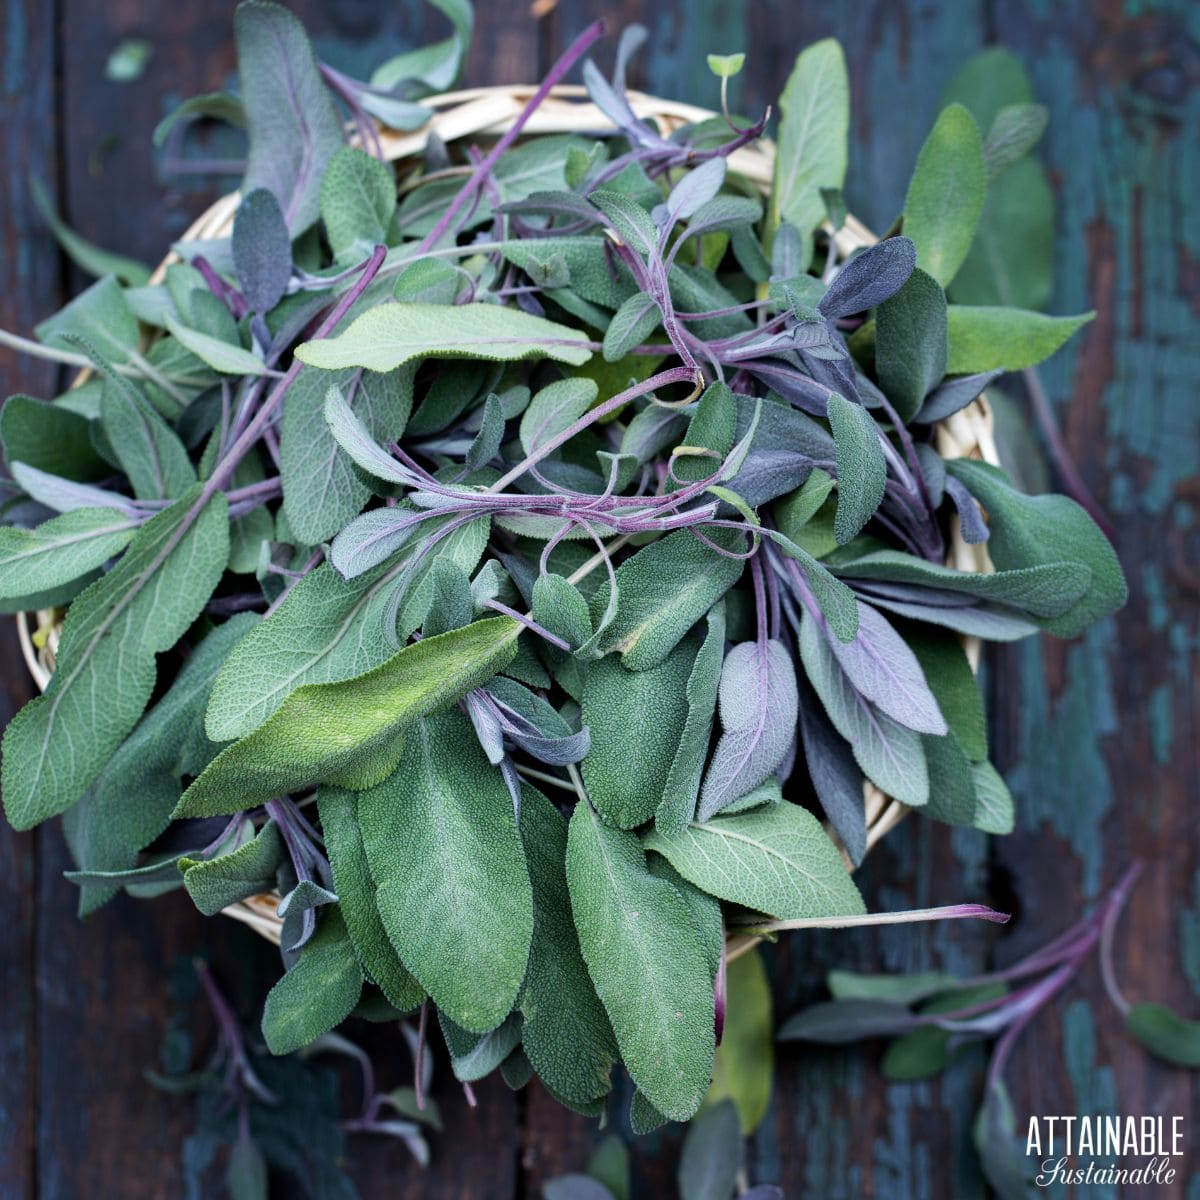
x: 29, y: 289
x: 1097, y: 735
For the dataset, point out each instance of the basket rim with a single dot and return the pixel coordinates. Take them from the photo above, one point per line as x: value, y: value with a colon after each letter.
x: 491, y: 110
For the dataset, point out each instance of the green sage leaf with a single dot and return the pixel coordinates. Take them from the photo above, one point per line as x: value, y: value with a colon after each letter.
x: 454, y: 892
x: 57, y: 744
x: 946, y: 193
x: 317, y: 993
x: 390, y: 335
x: 348, y: 732
x: 776, y: 860
x: 635, y: 933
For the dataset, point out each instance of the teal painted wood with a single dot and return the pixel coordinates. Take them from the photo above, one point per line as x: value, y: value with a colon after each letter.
x: 1099, y: 735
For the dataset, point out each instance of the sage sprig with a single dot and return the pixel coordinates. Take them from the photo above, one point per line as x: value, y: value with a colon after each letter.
x: 509, y: 558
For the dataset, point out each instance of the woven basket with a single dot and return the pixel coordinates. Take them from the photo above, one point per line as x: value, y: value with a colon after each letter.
x: 490, y: 112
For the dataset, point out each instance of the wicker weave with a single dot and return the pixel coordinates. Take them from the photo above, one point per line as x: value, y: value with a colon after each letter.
x: 490, y: 112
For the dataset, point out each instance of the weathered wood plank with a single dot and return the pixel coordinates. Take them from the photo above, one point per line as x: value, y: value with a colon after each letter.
x: 1099, y: 734
x: 29, y: 288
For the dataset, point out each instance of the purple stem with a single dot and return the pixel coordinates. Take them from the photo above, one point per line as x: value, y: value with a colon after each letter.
x: 662, y: 379
x: 1073, y: 482
x: 253, y: 431
x: 529, y: 623
x: 468, y: 190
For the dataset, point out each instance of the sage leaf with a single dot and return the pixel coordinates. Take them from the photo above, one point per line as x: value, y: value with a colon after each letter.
x: 712, y: 1154
x: 389, y: 335
x: 51, y: 438
x: 1165, y: 1034
x: 1000, y: 1153
x: 663, y: 590
x: 911, y: 354
x: 61, y: 549
x: 322, y: 490
x: 643, y: 1116
x: 953, y: 394
x: 682, y: 787
x: 636, y: 720
x: 326, y: 630
x: 101, y: 316
x: 869, y: 278
x: 57, y: 744
x: 476, y: 1055
x: 758, y: 703
x: 836, y: 777
x: 221, y: 356
x: 660, y: 1001
x: 1048, y: 588
x: 246, y: 1171
x: 744, y: 1068
x: 946, y: 194
x: 1015, y: 130
x: 317, y: 993
x: 216, y: 883
x: 559, y: 606
x: 555, y: 408
x: 358, y: 198
x: 952, y: 792
x: 889, y: 753
x: 575, y: 1187
x: 835, y: 1022
x: 1028, y: 531
x: 861, y: 468
x: 812, y: 145
x: 994, y: 811
x: 129, y: 805
x: 356, y: 896
x: 632, y: 323
x: 609, y: 1164
x: 81, y: 252
x: 1010, y: 339
x: 148, y: 449
x: 946, y: 669
x: 880, y: 665
x: 1019, y: 211
x: 776, y: 860
x: 566, y: 1033
x: 453, y: 888
x: 262, y: 250
x: 904, y: 989
x: 347, y: 732
x: 292, y: 125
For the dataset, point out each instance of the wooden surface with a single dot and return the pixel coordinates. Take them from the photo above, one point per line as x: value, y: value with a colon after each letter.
x: 1098, y: 736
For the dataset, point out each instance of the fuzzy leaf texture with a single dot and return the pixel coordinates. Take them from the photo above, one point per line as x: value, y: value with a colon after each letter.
x: 636, y: 935
x: 349, y: 732
x: 293, y: 127
x: 775, y: 860
x: 453, y: 889
x: 813, y: 129
x: 57, y: 744
x: 390, y: 335
x: 758, y: 717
